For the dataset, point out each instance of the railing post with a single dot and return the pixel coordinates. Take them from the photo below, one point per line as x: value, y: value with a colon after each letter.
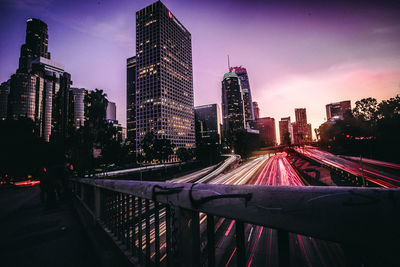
x: 97, y: 202
x: 283, y: 248
x: 189, y: 237
x: 211, y: 240
x: 240, y: 244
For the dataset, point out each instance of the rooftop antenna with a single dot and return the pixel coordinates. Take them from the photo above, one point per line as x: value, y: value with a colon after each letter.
x: 229, y: 65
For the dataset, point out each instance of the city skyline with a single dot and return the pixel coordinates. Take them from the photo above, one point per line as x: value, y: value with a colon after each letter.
x: 334, y: 59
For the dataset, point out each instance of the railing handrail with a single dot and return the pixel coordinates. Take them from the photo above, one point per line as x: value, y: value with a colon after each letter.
x: 348, y: 215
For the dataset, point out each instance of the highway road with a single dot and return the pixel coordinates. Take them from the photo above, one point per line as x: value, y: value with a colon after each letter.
x: 261, y: 247
x: 374, y: 175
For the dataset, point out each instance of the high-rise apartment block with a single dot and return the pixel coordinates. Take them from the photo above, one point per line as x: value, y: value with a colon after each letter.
x: 246, y: 92
x: 301, y: 129
x: 164, y: 78
x: 336, y: 111
x: 232, y: 104
x: 208, y: 122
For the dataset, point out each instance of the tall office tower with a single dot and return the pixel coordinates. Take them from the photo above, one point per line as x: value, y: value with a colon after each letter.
x: 77, y: 105
x: 232, y: 104
x: 266, y: 128
x: 256, y: 110
x: 164, y: 82
x: 4, y: 91
x: 301, y: 129
x: 285, y: 128
x: 131, y: 101
x: 40, y: 88
x: 111, y: 112
x: 208, y: 122
x: 246, y: 92
x: 36, y: 43
x: 336, y: 111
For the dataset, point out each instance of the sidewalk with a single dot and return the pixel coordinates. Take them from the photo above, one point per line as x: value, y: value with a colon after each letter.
x: 33, y: 235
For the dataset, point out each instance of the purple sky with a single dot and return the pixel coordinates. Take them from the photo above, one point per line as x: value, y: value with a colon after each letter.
x: 297, y: 55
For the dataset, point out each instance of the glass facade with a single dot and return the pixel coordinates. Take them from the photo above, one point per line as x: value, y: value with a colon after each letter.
x: 246, y: 92
x: 232, y: 104
x: 131, y: 100
x: 208, y: 122
x: 78, y: 106
x: 164, y: 82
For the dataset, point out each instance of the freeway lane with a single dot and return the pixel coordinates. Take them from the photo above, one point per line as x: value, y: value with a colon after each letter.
x: 261, y: 249
x: 371, y: 174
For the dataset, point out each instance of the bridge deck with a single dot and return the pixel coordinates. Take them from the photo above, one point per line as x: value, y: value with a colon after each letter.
x: 33, y: 235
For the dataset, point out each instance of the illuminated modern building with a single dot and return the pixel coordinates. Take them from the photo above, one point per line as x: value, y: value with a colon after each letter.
x: 164, y: 78
x: 246, y: 92
x: 301, y: 129
x: 335, y: 111
x: 256, y: 110
x: 266, y: 128
x: 131, y: 101
x: 77, y: 101
x: 40, y: 88
x: 111, y: 112
x: 232, y: 104
x: 36, y: 43
x: 208, y: 122
x: 4, y: 91
x: 285, y: 127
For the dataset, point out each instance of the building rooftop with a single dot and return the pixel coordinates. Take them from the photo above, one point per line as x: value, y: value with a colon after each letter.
x: 230, y: 75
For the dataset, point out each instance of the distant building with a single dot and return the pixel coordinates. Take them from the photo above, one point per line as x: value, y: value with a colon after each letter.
x: 4, y: 91
x: 256, y: 110
x: 246, y: 92
x: 336, y: 111
x: 131, y: 101
x: 164, y: 82
x: 302, y: 132
x: 207, y: 122
x: 232, y: 104
x: 266, y: 128
x: 78, y: 106
x: 285, y: 127
x: 111, y: 111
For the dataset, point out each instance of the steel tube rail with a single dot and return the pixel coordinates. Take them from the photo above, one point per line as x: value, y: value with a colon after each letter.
x: 355, y: 217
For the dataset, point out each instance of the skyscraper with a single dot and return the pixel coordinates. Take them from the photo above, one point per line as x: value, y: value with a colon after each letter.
x: 40, y: 88
x: 246, y: 92
x: 285, y: 128
x: 36, y: 43
x: 131, y: 101
x: 301, y: 129
x: 266, y: 128
x: 78, y: 106
x: 164, y: 79
x: 256, y: 110
x: 4, y: 91
x: 208, y: 122
x: 232, y: 104
x: 335, y: 111
x: 111, y: 111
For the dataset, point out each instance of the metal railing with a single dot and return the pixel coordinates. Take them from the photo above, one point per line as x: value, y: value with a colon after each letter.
x: 159, y: 223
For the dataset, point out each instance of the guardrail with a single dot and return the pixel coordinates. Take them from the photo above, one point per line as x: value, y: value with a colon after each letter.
x: 159, y: 223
